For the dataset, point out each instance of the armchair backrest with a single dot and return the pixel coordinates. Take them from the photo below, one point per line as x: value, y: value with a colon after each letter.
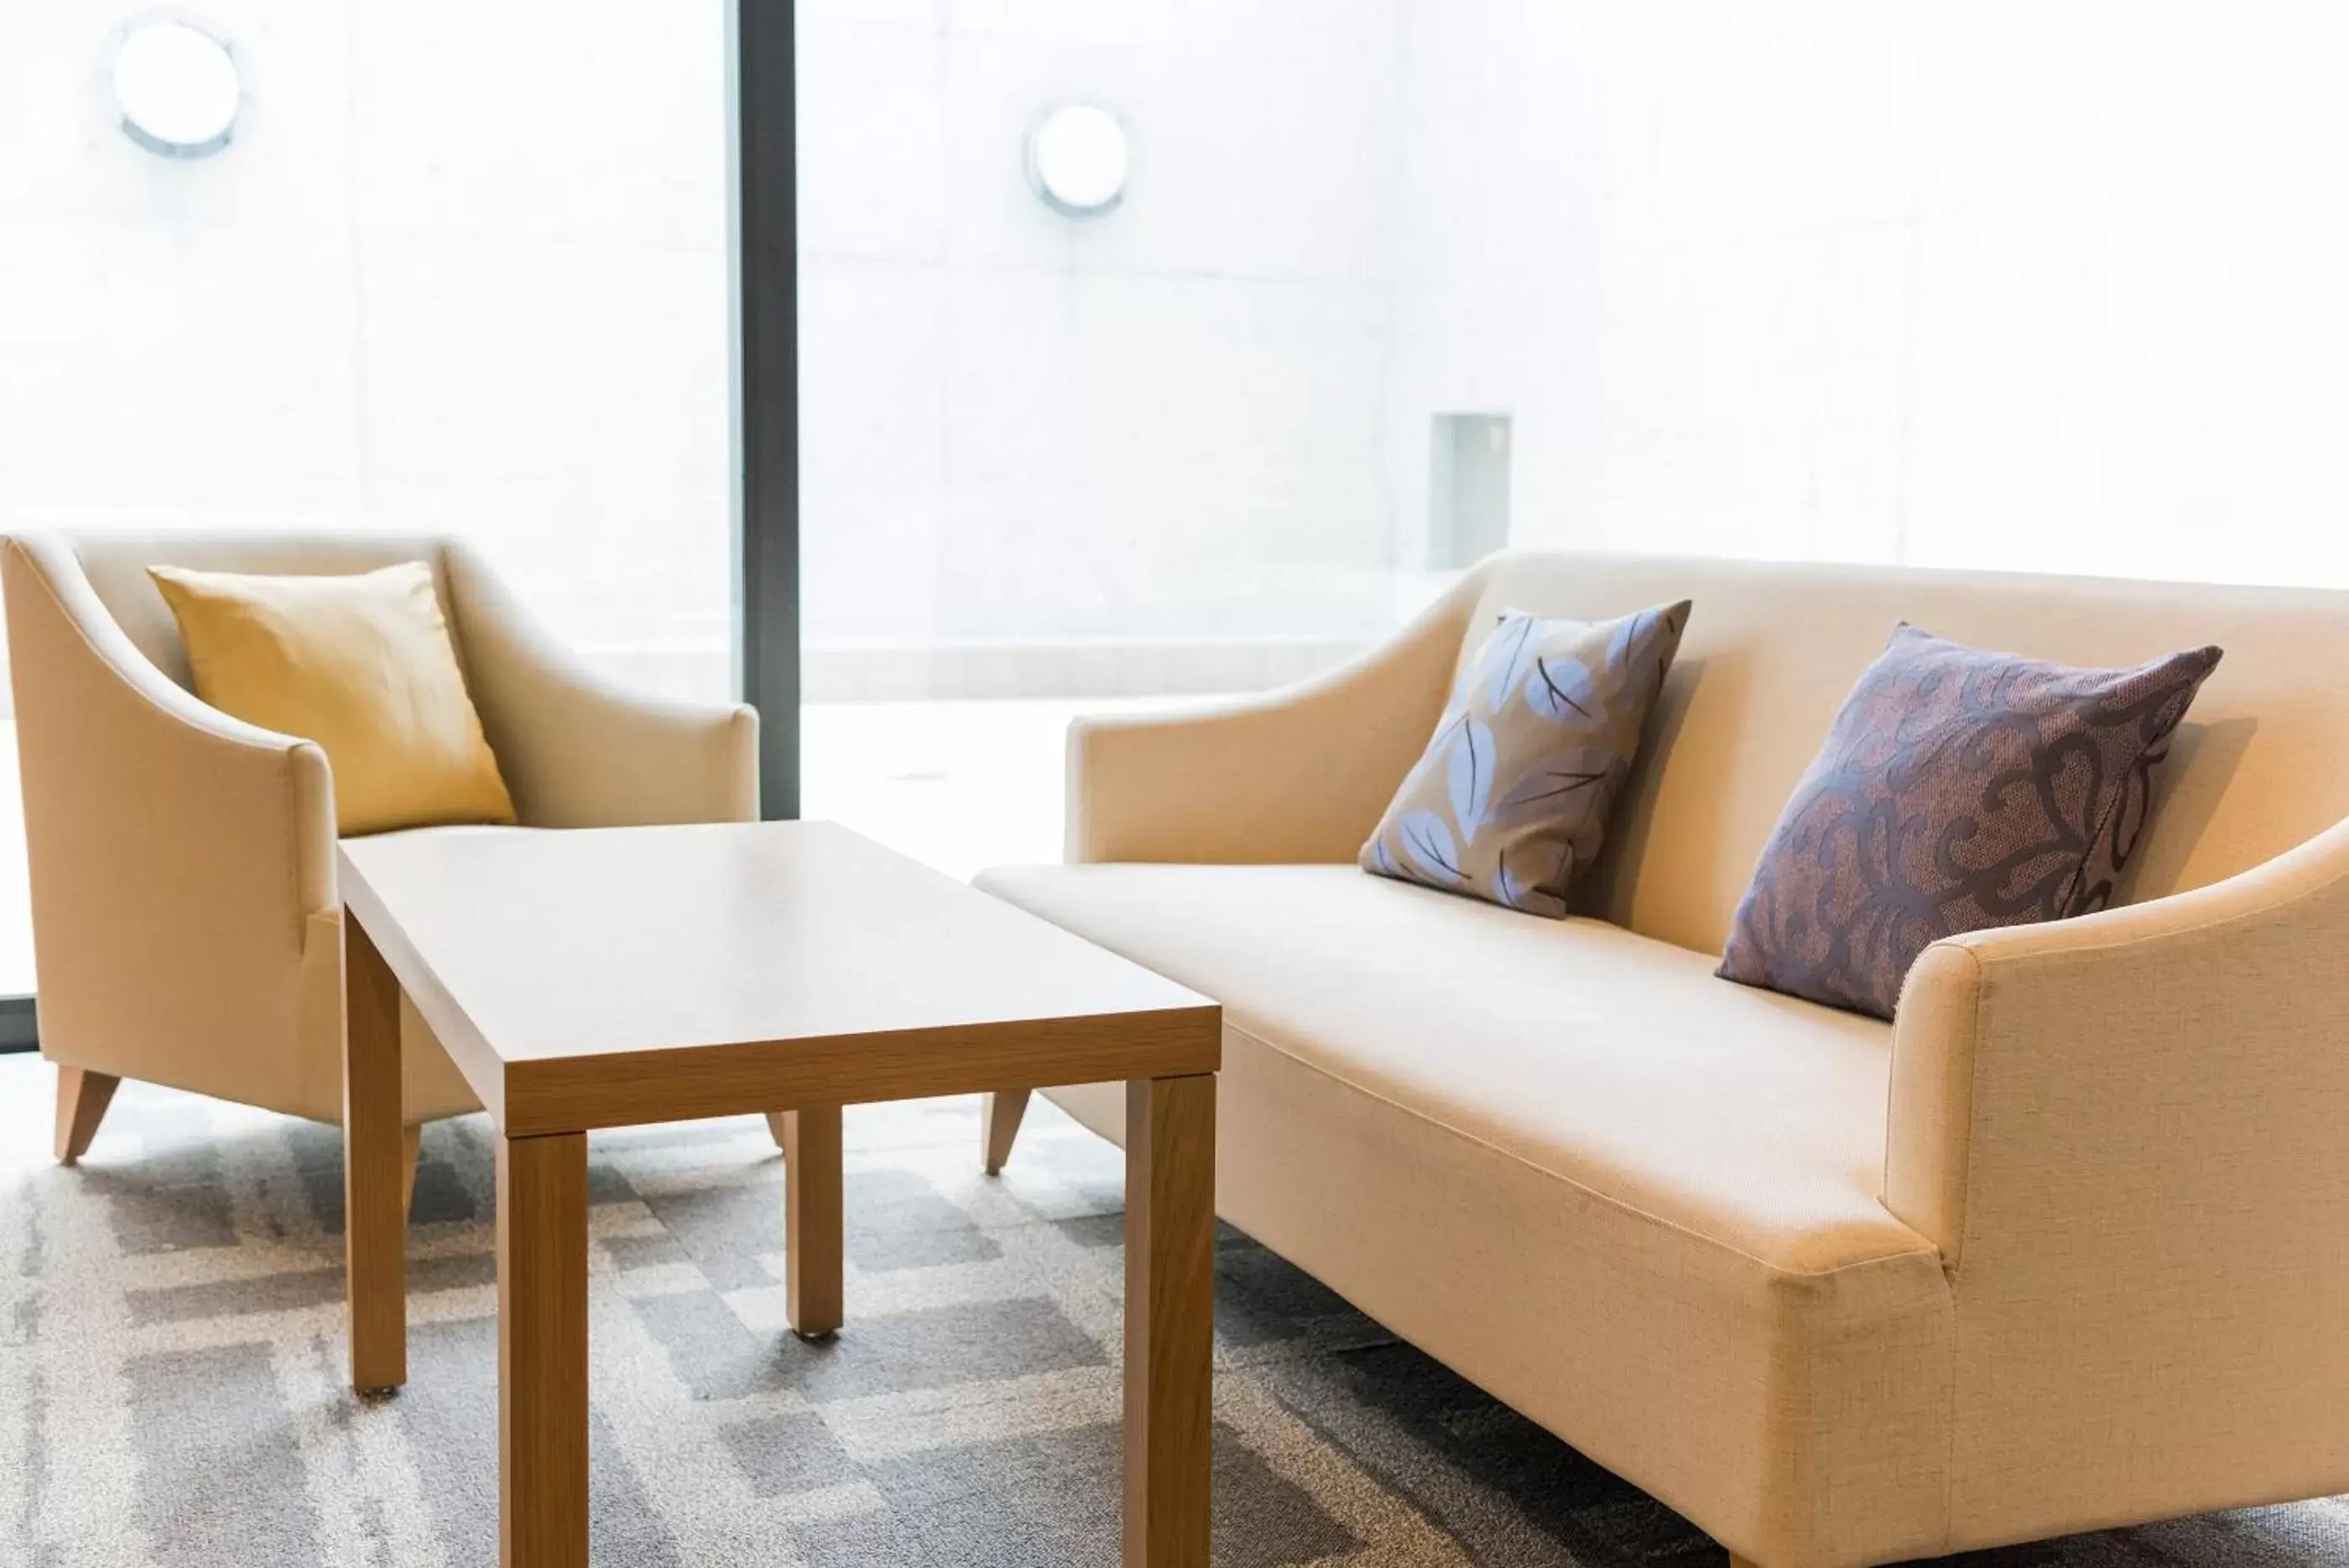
x: 2261, y: 764
x: 116, y: 566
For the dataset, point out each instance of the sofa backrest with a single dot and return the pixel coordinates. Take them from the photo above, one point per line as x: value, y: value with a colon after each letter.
x: 2261, y: 764
x: 116, y: 565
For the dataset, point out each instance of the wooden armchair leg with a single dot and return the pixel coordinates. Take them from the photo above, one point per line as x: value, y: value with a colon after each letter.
x: 82, y: 1098
x: 776, y: 1122
x: 1000, y: 1119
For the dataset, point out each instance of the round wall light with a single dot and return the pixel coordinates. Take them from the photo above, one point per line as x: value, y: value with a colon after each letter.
x: 175, y: 86
x: 1077, y: 161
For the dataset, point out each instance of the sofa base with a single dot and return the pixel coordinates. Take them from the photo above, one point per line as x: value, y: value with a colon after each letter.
x: 1283, y: 1131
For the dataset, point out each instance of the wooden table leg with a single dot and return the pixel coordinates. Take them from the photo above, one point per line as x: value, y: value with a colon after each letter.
x: 375, y: 1209
x: 1170, y: 1319
x: 543, y: 1351
x: 812, y: 1220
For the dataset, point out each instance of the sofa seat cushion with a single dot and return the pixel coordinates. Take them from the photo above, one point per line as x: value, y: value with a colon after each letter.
x: 1610, y: 1060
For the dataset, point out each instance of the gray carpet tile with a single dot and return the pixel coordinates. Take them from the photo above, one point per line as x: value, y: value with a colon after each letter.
x: 171, y: 1374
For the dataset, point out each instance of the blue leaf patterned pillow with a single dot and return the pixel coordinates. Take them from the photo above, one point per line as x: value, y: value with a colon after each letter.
x: 1509, y: 801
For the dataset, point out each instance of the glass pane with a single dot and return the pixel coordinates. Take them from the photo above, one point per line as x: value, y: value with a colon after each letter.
x: 1304, y: 306
x: 1094, y: 313
x: 451, y: 268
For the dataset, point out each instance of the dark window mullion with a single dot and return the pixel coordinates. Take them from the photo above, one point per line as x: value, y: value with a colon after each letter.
x: 765, y: 234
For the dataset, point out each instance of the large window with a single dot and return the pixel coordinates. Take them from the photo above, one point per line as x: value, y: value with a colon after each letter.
x: 1388, y: 284
x: 455, y: 268
x: 1095, y: 315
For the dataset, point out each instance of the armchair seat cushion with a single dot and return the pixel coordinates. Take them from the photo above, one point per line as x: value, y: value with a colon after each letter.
x: 1739, y: 1118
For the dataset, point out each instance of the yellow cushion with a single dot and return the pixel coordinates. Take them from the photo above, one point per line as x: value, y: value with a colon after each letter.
x: 361, y: 664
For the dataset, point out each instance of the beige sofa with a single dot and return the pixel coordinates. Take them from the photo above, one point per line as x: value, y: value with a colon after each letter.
x: 185, y: 923
x: 2064, y: 1246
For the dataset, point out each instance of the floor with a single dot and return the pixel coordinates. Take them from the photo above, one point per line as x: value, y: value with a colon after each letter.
x: 173, y: 1390
x: 960, y: 785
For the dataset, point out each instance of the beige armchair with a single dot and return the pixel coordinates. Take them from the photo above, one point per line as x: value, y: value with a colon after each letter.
x: 186, y: 925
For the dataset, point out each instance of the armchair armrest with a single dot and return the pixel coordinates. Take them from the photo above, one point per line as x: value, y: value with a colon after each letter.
x: 2166, y: 1079
x: 575, y: 750
x: 148, y: 814
x: 1293, y: 776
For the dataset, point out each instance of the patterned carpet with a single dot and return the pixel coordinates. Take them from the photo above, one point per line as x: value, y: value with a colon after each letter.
x: 172, y: 1373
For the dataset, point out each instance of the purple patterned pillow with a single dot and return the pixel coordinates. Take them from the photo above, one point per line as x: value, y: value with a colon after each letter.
x: 1959, y: 790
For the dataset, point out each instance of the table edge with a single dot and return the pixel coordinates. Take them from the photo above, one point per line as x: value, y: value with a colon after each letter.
x: 535, y: 1096
x: 631, y: 1088
x: 475, y: 1059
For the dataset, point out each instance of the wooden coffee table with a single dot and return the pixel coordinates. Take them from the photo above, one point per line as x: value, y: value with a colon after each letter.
x: 611, y: 977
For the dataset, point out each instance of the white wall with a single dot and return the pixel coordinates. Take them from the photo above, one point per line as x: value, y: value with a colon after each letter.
x: 462, y: 268
x: 1163, y: 424
x: 2055, y: 284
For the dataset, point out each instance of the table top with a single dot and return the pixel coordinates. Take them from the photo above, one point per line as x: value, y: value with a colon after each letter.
x: 606, y: 976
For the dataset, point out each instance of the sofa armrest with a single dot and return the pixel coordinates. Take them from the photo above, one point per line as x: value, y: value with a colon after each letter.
x: 577, y: 751
x: 151, y: 820
x: 2163, y: 1079
x: 1297, y: 775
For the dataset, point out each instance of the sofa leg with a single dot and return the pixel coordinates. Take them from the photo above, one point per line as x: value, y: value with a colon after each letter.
x: 999, y: 1121
x: 82, y: 1098
x: 411, y: 1146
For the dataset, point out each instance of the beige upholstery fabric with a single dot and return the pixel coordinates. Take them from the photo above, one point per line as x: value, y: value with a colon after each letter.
x: 2119, y: 1135
x: 1748, y: 1118
x: 2125, y: 1132
x: 185, y: 921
